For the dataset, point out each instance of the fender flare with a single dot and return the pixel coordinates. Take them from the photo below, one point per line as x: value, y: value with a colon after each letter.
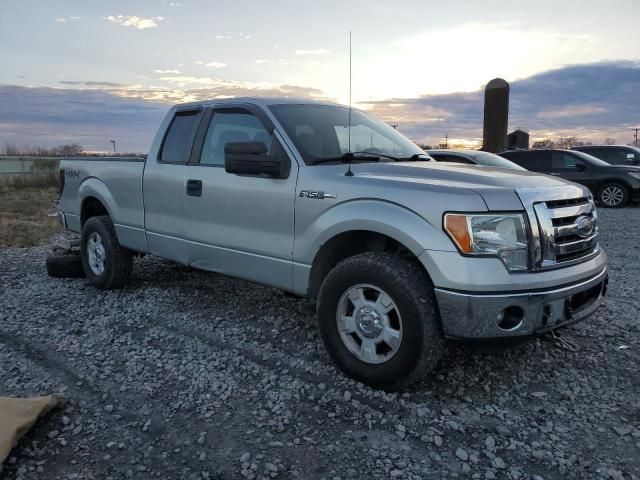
x: 93, y: 187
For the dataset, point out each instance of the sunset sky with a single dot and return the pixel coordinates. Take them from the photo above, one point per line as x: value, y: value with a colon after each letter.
x: 88, y: 71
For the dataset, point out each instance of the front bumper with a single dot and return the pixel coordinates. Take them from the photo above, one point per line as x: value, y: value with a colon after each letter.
x: 497, y: 315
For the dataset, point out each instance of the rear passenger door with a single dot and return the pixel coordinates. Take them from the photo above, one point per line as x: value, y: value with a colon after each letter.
x: 164, y: 185
x: 240, y: 225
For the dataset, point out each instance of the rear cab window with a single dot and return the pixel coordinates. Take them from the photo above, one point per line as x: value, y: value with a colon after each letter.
x: 176, y: 147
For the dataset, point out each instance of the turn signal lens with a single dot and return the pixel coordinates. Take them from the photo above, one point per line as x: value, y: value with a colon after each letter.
x: 458, y: 228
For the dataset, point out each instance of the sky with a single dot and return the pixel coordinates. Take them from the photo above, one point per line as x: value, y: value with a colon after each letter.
x: 88, y: 71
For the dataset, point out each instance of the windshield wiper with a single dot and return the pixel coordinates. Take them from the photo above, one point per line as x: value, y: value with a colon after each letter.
x: 351, y: 157
x: 416, y: 157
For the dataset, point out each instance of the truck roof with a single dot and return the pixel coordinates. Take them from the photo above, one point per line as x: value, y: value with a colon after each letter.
x: 260, y: 101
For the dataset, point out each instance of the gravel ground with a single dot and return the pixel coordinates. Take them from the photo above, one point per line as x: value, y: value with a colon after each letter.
x: 191, y: 375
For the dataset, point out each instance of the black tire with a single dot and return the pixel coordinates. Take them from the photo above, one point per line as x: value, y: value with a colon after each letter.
x: 422, y: 344
x: 65, y: 266
x: 605, y: 195
x: 118, y: 261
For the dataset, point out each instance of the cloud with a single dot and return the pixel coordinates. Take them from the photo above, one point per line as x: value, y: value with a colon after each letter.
x: 317, y: 51
x: 51, y: 116
x: 167, y: 71
x: 140, y: 23
x: 92, y: 112
x: 91, y: 84
x: 67, y: 19
x: 211, y: 64
x: 591, y: 101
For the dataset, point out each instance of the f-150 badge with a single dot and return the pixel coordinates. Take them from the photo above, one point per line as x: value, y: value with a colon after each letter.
x: 316, y: 195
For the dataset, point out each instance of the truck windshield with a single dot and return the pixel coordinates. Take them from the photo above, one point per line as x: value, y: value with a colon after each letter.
x: 321, y: 132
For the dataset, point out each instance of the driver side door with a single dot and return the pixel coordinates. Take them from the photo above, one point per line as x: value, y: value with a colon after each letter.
x: 239, y: 225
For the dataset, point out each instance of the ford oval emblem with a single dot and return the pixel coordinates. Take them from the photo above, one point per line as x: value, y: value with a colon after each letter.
x: 584, y: 226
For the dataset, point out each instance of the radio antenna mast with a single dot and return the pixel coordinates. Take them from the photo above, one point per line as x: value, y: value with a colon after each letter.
x: 349, y: 154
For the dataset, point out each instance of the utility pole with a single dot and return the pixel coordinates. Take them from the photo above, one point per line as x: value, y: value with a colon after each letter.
x: 114, y: 146
x: 636, y: 136
x: 446, y: 141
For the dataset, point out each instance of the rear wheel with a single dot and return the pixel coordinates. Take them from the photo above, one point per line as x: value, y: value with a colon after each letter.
x: 106, y: 263
x: 613, y: 195
x: 378, y: 320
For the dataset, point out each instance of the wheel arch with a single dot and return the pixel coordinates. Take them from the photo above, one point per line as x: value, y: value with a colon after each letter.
x: 358, y: 226
x: 95, y: 199
x: 350, y: 243
x: 619, y: 181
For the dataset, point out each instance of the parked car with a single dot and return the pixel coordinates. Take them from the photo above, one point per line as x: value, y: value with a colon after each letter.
x: 398, y: 251
x: 613, y: 185
x: 613, y: 154
x: 474, y: 157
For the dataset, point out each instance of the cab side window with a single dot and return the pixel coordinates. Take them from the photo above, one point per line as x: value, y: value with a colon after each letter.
x: 231, y: 126
x: 176, y: 147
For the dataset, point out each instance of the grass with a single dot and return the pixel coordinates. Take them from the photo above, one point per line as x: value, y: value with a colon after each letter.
x: 25, y: 203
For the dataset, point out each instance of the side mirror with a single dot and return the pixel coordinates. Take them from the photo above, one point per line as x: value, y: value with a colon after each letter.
x: 251, y: 158
x: 580, y: 166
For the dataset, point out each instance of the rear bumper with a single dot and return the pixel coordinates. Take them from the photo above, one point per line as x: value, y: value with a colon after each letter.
x: 517, y: 314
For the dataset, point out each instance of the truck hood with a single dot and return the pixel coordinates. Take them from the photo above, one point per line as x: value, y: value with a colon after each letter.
x: 495, y: 185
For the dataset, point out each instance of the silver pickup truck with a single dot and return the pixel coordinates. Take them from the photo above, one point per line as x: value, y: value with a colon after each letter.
x: 325, y: 202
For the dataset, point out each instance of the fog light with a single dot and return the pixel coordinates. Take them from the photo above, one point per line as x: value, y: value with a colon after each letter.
x: 510, y: 318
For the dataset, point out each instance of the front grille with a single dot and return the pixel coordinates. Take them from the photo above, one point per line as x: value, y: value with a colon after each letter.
x: 567, y: 202
x: 562, y: 241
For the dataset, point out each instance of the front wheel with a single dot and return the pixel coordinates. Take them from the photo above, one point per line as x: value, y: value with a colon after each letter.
x: 613, y: 195
x: 378, y: 319
x: 106, y: 263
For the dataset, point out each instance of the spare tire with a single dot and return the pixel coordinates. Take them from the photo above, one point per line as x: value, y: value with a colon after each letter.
x: 65, y: 266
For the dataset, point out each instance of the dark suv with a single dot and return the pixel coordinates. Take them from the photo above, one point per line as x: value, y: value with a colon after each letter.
x: 613, y: 154
x: 613, y: 185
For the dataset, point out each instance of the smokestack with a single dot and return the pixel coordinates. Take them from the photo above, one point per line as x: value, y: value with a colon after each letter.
x: 496, y: 115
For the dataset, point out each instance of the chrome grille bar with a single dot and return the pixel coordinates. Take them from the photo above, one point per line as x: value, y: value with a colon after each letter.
x: 555, y: 215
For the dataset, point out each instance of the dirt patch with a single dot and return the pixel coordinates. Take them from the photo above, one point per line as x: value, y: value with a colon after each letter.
x: 24, y: 220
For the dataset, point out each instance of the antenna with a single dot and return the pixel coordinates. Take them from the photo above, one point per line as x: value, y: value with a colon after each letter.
x: 349, y: 154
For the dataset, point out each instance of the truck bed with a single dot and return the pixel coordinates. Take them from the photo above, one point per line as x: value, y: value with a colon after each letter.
x: 116, y: 182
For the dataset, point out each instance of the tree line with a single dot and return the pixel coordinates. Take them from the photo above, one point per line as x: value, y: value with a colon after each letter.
x: 69, y: 150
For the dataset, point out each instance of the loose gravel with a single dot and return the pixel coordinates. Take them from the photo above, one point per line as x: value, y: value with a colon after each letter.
x: 190, y: 375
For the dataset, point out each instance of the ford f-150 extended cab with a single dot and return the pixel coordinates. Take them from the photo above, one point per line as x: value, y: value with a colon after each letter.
x: 399, y: 252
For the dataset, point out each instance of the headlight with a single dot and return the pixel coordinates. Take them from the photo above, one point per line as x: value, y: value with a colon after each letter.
x: 635, y: 174
x: 503, y: 236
